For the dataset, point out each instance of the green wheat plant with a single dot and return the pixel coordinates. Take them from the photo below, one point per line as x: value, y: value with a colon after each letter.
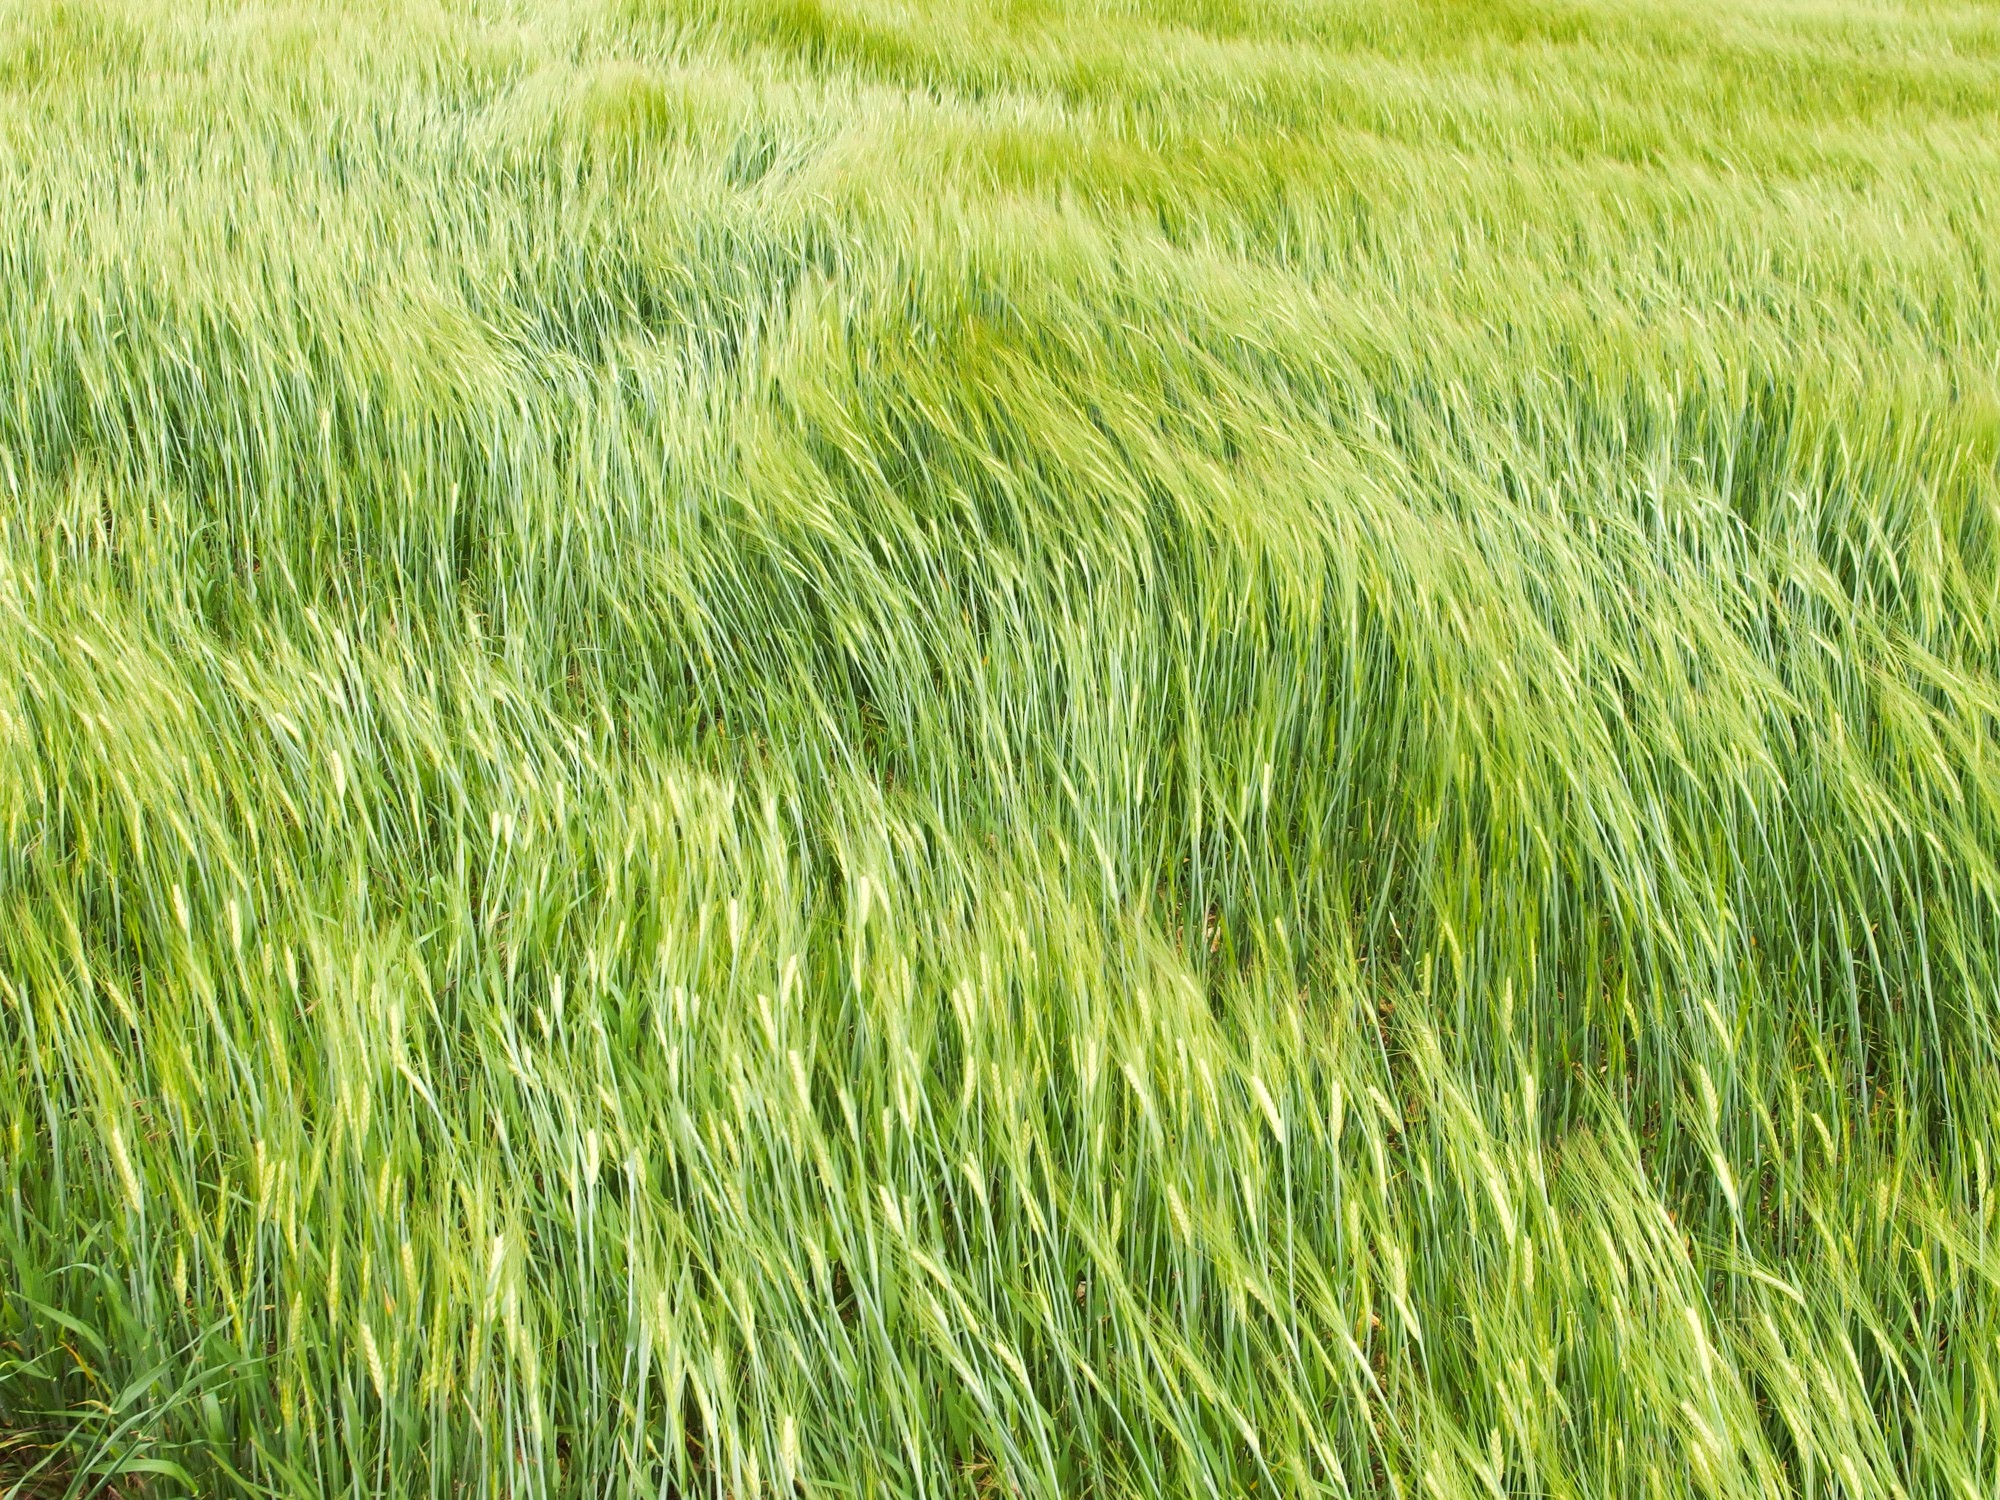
x: 1060, y: 748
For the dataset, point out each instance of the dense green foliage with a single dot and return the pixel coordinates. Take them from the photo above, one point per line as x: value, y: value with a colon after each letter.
x: 1047, y: 747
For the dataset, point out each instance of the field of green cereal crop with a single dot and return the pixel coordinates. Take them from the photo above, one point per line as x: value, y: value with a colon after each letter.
x: 973, y: 748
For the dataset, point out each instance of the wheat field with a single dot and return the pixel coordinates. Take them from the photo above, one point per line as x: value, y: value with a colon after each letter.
x: 1064, y: 748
